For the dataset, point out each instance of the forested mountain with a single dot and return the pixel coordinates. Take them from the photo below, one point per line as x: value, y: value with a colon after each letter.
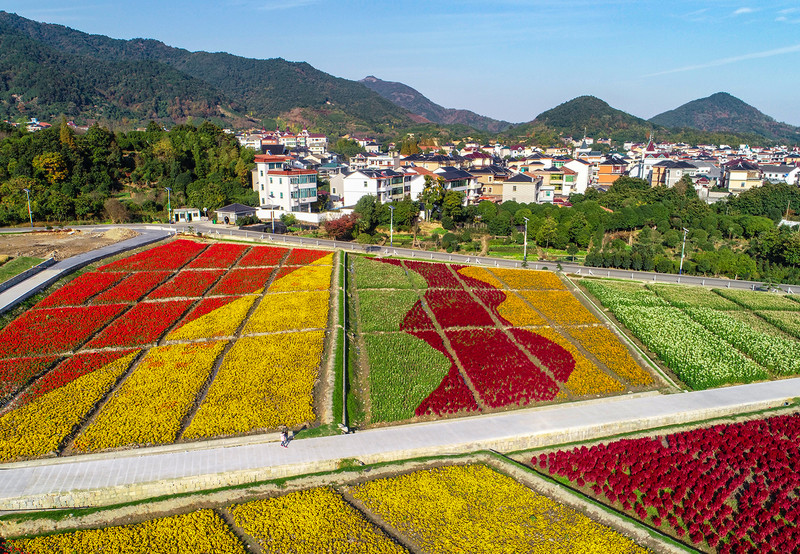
x: 722, y: 112
x: 415, y: 102
x: 69, y: 67
x: 594, y: 117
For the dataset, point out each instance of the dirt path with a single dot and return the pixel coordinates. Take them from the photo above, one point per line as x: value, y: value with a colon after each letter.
x: 60, y: 244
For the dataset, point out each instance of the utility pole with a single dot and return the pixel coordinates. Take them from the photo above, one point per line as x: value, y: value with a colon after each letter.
x: 391, y: 224
x: 169, y: 203
x: 30, y: 215
x: 683, y: 249
x: 525, y: 243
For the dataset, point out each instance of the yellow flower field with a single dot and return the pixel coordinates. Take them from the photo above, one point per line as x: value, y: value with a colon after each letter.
x: 473, y: 509
x: 586, y: 378
x: 311, y: 521
x: 263, y: 382
x: 526, y: 279
x: 607, y: 347
x: 288, y: 311
x: 560, y: 306
x: 39, y: 426
x: 200, y: 531
x: 481, y: 274
x: 315, y: 276
x: 149, y: 406
x: 222, y: 322
x: 516, y: 311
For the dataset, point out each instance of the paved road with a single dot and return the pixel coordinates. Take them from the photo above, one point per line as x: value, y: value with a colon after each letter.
x: 226, y: 231
x: 137, y: 474
x: 32, y: 285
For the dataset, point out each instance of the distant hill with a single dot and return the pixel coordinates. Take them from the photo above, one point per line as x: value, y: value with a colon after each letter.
x: 722, y: 112
x: 416, y: 103
x: 592, y: 115
x: 67, y: 67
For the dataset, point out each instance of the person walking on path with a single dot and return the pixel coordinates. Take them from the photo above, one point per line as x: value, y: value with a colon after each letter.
x: 284, y: 436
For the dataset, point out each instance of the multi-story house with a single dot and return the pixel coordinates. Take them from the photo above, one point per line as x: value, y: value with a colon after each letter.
x: 461, y: 181
x: 669, y: 172
x: 740, y: 175
x: 387, y: 185
x: 279, y: 184
x: 527, y: 188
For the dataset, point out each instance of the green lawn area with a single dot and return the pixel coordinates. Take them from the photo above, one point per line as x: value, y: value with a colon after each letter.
x: 15, y: 266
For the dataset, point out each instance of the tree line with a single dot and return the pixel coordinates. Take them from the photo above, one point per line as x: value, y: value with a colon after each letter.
x: 101, y: 175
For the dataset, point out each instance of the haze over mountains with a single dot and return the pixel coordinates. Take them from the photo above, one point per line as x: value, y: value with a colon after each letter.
x: 50, y: 70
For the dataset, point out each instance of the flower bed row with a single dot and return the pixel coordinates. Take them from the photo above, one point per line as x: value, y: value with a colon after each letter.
x: 457, y: 308
x: 700, y: 358
x: 169, y: 256
x: 403, y: 370
x: 314, y: 520
x: 775, y: 353
x: 15, y: 373
x: 262, y: 256
x: 218, y: 256
x: 787, y: 322
x: 730, y: 487
x: 682, y: 296
x: 134, y: 287
x: 384, y: 274
x: 263, y: 382
x: 436, y: 275
x: 201, y: 531
x: 53, y: 330
x: 242, y: 281
x: 500, y: 372
x: 142, y: 324
x: 528, y: 280
x: 560, y: 306
x: 289, y: 311
x: 80, y: 289
x: 384, y: 310
x: 40, y: 426
x: 187, y: 283
x: 756, y: 300
x: 151, y: 404
x: 475, y: 509
x: 607, y: 348
x: 223, y: 321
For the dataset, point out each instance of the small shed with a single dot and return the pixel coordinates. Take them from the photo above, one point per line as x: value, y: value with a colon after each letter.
x: 230, y: 213
x: 186, y: 215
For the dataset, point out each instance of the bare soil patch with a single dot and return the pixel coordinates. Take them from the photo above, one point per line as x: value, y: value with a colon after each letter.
x: 60, y: 244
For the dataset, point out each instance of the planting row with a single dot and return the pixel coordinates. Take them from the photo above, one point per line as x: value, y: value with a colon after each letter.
x: 449, y: 509
x: 59, y: 365
x: 702, y: 335
x: 475, y: 341
x: 729, y: 488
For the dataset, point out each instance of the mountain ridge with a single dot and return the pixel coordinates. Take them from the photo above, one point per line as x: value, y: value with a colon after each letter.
x: 723, y: 112
x: 417, y: 103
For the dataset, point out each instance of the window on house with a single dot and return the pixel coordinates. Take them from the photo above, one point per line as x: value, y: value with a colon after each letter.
x: 270, y: 180
x: 281, y: 196
x: 262, y: 172
x: 514, y: 188
x: 365, y: 184
x: 262, y: 186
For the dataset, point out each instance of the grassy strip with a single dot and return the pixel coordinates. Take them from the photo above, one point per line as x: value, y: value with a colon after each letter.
x: 15, y: 266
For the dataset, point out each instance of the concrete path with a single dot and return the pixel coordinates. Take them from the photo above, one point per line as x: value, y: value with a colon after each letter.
x: 32, y: 285
x: 118, y: 477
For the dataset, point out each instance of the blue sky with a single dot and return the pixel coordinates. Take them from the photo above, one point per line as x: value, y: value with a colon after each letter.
x: 508, y: 59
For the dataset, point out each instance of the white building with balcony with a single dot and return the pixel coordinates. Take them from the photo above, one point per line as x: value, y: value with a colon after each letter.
x: 280, y: 185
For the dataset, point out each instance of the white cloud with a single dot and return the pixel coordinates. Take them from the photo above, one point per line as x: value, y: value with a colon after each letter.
x: 734, y: 59
x: 742, y: 11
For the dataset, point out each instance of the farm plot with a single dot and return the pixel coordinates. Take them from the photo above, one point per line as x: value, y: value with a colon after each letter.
x: 476, y: 509
x: 78, y: 374
x: 708, y: 340
x: 446, y: 509
x: 506, y: 347
x: 726, y: 488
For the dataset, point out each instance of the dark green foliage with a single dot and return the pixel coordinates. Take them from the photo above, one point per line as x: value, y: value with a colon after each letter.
x: 74, y: 176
